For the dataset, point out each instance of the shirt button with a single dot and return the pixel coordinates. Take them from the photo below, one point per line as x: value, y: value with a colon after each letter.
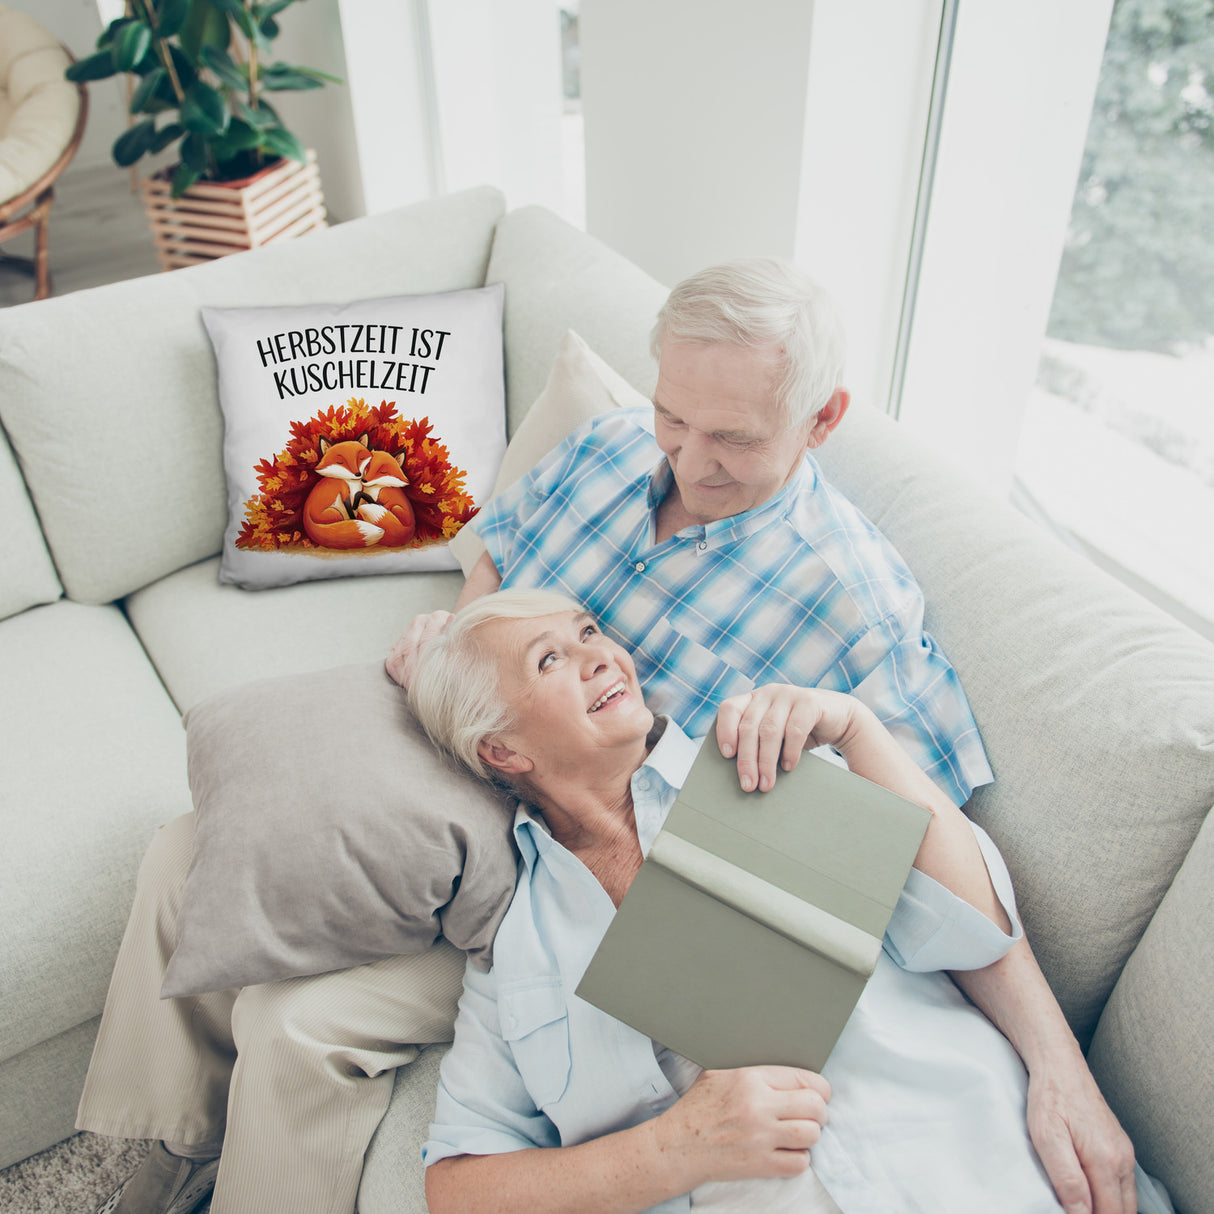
x: 639, y: 566
x: 702, y: 545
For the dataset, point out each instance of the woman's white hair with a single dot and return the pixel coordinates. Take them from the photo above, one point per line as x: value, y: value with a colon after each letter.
x: 763, y: 303
x: 455, y: 692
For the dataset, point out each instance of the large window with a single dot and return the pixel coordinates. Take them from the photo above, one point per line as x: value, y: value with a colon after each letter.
x: 1117, y: 444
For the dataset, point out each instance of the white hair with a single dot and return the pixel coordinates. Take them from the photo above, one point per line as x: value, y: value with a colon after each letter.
x: 455, y: 692
x: 763, y: 303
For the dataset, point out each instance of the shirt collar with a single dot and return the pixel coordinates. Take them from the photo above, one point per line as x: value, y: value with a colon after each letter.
x: 737, y: 526
x: 655, y: 784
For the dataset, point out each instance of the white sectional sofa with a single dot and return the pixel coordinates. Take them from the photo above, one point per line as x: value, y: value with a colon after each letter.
x: 1097, y: 711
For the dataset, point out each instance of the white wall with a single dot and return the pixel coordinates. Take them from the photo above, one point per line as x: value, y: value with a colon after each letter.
x: 870, y: 82
x: 694, y: 126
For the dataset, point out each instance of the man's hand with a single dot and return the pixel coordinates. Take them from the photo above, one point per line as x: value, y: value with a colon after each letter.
x: 1087, y: 1155
x: 769, y: 727
x: 400, y: 661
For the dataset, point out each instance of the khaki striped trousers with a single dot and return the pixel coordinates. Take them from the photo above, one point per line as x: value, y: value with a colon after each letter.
x: 293, y: 1076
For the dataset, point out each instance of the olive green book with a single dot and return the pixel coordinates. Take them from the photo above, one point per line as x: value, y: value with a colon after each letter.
x: 755, y: 921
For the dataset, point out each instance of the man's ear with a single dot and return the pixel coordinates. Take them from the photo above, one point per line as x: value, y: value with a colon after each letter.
x: 829, y: 416
x: 494, y: 753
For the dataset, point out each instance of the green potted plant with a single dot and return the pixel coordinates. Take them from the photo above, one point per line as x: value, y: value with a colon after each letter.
x: 201, y: 72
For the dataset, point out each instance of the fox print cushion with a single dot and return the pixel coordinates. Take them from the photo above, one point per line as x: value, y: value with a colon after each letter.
x: 309, y: 857
x: 358, y: 438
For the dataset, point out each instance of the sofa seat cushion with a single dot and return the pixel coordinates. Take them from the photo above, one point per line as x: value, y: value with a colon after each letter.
x: 94, y: 762
x: 1096, y: 709
x: 557, y: 279
x: 141, y: 478
x: 29, y: 573
x: 204, y: 637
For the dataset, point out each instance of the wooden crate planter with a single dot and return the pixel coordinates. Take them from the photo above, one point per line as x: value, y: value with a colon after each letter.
x: 215, y: 218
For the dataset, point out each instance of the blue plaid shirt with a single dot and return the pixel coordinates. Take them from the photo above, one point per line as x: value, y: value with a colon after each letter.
x: 802, y: 589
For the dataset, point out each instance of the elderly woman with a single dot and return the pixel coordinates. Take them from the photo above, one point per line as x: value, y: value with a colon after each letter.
x: 547, y: 1103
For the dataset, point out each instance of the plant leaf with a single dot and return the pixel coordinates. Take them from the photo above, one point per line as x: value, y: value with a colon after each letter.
x: 203, y: 112
x: 194, y: 154
x: 270, y: 9
x: 132, y: 143
x: 281, y: 142
x: 130, y: 45
x: 94, y: 67
x: 261, y: 118
x: 279, y: 77
x: 183, y: 178
x: 171, y: 16
x: 167, y: 135
x: 144, y: 97
x: 225, y: 67
x: 205, y: 26
x: 269, y: 30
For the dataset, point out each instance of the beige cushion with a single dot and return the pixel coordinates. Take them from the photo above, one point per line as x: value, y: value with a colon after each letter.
x: 142, y: 479
x: 1153, y: 1053
x: 557, y: 279
x: 38, y: 107
x: 1096, y: 709
x: 204, y: 637
x: 580, y: 386
x: 94, y: 761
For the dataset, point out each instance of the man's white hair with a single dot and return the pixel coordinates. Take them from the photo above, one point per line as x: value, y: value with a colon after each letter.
x: 455, y: 689
x: 763, y: 303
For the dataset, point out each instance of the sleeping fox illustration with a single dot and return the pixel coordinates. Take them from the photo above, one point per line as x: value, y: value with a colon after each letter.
x: 383, y: 501
x: 328, y: 512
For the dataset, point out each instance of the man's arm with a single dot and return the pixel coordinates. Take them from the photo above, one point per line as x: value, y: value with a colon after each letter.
x: 1087, y: 1155
x: 484, y: 579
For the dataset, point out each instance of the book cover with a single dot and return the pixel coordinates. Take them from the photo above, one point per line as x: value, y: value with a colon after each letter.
x: 755, y: 921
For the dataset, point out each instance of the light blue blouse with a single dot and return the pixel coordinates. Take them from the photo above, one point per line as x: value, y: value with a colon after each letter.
x: 928, y: 1104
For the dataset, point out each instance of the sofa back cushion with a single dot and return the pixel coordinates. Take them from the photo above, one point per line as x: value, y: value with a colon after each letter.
x: 1153, y: 1054
x: 1097, y: 710
x: 29, y: 573
x: 109, y: 396
x: 557, y: 279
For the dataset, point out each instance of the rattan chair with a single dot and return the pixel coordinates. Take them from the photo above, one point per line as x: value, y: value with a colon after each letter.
x: 42, y: 117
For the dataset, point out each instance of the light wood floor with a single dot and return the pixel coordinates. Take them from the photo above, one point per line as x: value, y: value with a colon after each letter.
x: 98, y: 234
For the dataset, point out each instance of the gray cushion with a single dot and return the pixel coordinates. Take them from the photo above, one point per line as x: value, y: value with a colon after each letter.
x: 204, y: 637
x: 1153, y: 1053
x: 29, y: 573
x: 142, y: 478
x: 557, y: 278
x: 330, y: 833
x: 94, y: 761
x: 1095, y: 708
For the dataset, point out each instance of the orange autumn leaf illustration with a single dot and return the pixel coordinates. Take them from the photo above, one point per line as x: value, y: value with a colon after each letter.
x: 441, y: 505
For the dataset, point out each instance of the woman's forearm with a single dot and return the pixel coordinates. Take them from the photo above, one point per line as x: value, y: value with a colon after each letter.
x: 620, y: 1173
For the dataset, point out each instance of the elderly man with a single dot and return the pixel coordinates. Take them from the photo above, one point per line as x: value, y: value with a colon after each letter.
x: 704, y: 538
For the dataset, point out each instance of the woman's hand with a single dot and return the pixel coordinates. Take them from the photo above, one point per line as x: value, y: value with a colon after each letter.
x: 770, y: 727
x: 402, y: 659
x: 755, y: 1121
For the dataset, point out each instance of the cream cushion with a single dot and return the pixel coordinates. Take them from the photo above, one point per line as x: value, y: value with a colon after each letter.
x: 38, y: 106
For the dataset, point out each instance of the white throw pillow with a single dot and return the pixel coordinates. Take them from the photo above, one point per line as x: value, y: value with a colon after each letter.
x: 358, y: 438
x: 580, y: 386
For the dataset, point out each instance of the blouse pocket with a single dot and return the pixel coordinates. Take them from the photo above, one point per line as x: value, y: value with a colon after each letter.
x: 535, y: 1023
